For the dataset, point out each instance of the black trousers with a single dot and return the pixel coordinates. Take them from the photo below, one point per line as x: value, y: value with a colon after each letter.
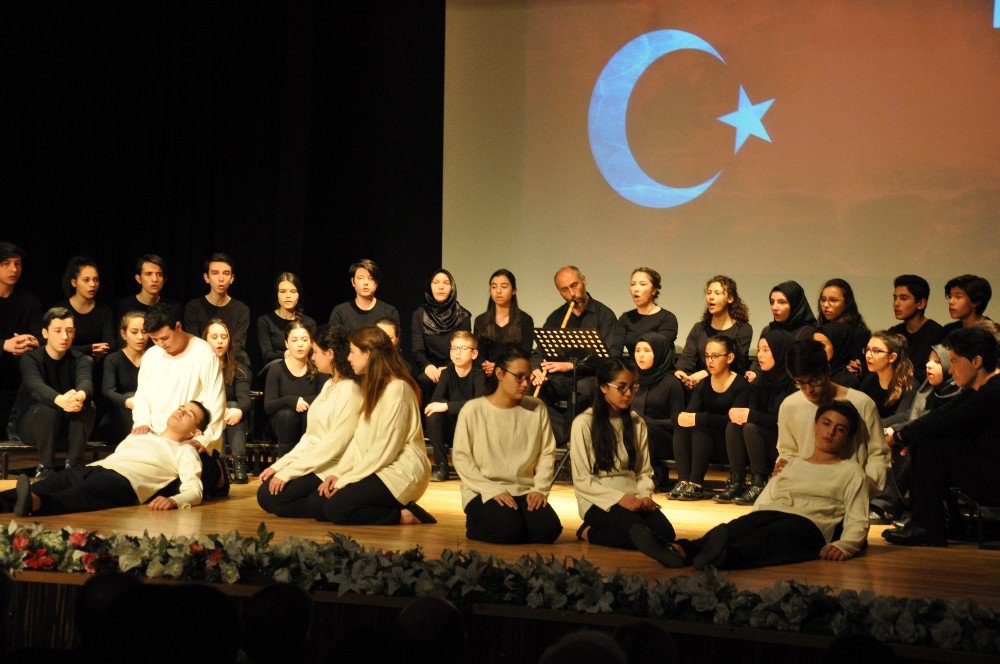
x: 80, y: 489
x: 944, y: 462
x: 764, y: 538
x: 288, y: 426
x: 490, y: 521
x: 297, y: 500
x: 45, y: 426
x: 661, y: 442
x: 611, y: 528
x: 559, y: 387
x: 119, y: 424
x: 441, y: 432
x: 367, y: 502
x: 694, y: 448
x: 758, y: 443
x: 236, y: 438
x: 212, y: 474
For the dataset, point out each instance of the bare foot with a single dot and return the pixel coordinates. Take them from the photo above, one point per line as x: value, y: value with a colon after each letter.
x: 406, y: 518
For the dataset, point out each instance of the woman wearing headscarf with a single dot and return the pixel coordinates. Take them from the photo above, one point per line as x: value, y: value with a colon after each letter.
x: 431, y: 328
x: 838, y: 339
x: 791, y: 312
x: 753, y: 431
x: 659, y: 399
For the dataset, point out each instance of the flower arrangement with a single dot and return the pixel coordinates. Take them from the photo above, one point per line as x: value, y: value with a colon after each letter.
x: 344, y: 566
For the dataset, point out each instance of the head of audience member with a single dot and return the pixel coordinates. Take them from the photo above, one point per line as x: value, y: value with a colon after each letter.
x: 789, y: 306
x: 722, y: 298
x: 375, y: 359
x: 132, y: 329
x: 163, y: 325
x: 276, y: 624
x: 885, y: 354
x: 187, y: 421
x: 809, y: 368
x: 216, y: 333
x: 81, y: 278
x: 834, y: 424
x: 721, y: 352
x: 968, y: 296
x: 645, y: 287
x: 836, y: 340
x: 859, y: 649
x: 646, y: 642
x: 571, y: 284
x: 909, y: 296
x: 11, y: 265
x: 938, y: 368
x: 973, y: 356
x: 59, y: 330
x: 151, y: 274
x: 512, y: 374
x: 219, y: 273
x: 772, y: 354
x: 365, y: 278
x: 389, y: 326
x: 651, y: 353
x: 990, y: 326
x: 330, y: 348
x: 617, y: 378
x: 464, y: 349
x: 838, y: 305
x: 289, y: 292
x: 92, y: 615
x: 433, y: 631
x: 584, y: 647
x: 298, y: 340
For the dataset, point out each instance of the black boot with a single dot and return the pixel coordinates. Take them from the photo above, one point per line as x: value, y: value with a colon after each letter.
x: 734, y: 487
x: 749, y: 496
x: 240, y: 470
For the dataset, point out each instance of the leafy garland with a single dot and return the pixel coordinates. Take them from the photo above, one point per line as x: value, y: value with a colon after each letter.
x: 344, y: 566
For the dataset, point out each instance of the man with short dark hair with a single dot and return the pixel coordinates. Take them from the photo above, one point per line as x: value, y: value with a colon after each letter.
x: 968, y: 296
x: 909, y: 305
x: 365, y: 309
x: 20, y: 322
x: 219, y: 275
x: 151, y: 275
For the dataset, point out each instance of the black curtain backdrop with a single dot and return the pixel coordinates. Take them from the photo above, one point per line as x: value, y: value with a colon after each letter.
x: 294, y: 136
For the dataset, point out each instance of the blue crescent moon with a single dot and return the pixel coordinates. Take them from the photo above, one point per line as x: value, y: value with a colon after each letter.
x: 607, y: 116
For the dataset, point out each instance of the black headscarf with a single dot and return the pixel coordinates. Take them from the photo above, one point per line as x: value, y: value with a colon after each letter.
x: 801, y: 313
x: 840, y: 335
x: 778, y: 341
x: 661, y: 353
x: 443, y: 317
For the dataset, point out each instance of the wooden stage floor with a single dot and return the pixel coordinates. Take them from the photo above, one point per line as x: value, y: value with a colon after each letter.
x: 959, y: 571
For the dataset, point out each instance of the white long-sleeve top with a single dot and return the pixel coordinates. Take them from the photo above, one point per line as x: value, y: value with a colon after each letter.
x: 150, y: 462
x: 503, y: 449
x: 797, y: 436
x: 168, y: 381
x: 826, y: 494
x: 389, y: 444
x: 330, y: 425
x: 606, y: 488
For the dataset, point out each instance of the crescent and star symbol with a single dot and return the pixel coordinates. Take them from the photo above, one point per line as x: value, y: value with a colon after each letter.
x: 609, y: 108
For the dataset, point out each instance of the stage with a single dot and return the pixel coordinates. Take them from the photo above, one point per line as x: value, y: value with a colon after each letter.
x: 962, y: 570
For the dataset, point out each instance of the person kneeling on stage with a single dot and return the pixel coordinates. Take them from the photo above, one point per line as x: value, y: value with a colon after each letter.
x: 504, y: 453
x: 139, y: 468
x: 612, y: 475
x: 796, y: 517
x: 289, y: 487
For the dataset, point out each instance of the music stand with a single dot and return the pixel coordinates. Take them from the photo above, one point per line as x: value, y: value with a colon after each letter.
x: 577, y: 345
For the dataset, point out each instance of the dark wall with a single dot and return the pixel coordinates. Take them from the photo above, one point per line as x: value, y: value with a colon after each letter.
x: 295, y: 136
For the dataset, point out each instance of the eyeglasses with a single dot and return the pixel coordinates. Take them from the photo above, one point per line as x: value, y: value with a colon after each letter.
x: 715, y: 357
x: 815, y: 381
x: 830, y: 300
x: 460, y: 349
x: 519, y: 377
x: 624, y: 387
x: 874, y: 351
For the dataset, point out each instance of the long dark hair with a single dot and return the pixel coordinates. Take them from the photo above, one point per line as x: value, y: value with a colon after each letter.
x: 384, y: 364
x: 851, y: 315
x: 297, y: 324
x: 507, y: 355
x: 73, y: 268
x: 738, y: 309
x: 487, y: 328
x: 294, y: 280
x: 337, y: 338
x: 601, y: 434
x: 230, y: 365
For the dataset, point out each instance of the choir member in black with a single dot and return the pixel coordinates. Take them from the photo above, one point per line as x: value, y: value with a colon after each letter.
x: 612, y: 475
x: 701, y: 428
x: 889, y: 381
x: 431, y: 328
x: 55, y: 400
x: 957, y: 444
x: 838, y: 305
x: 20, y: 325
x: 909, y: 305
x: 648, y: 316
x: 219, y: 275
x: 236, y: 376
x: 151, y: 275
x: 365, y: 309
x: 791, y: 312
x: 968, y: 296
x: 837, y: 340
x: 94, y: 322
x: 725, y: 313
x: 290, y: 387
x: 503, y: 324
x: 271, y: 326
x: 460, y: 381
x: 121, y: 375
x: 753, y: 430
x: 556, y: 373
x: 659, y: 399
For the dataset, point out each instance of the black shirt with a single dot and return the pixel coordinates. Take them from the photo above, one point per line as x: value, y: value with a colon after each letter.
x: 271, y: 334
x: 351, y: 316
x: 595, y: 316
x: 918, y: 345
x: 238, y: 391
x: 632, y: 325
x: 43, y: 379
x: 430, y: 349
x: 92, y: 328
x: 455, y: 390
x: 21, y: 313
x: 765, y: 400
x: 120, y: 379
x: 692, y: 359
x: 660, y: 402
x: 711, y: 408
x: 235, y: 315
x: 132, y: 303
x: 490, y: 349
x: 282, y: 389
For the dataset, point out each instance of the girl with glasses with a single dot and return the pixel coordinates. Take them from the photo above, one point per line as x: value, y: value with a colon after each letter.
x: 838, y: 305
x: 890, y: 381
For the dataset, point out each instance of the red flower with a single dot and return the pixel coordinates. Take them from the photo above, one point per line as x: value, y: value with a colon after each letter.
x: 21, y: 541
x: 214, y: 558
x: 38, y: 560
x: 78, y: 539
x: 196, y: 548
x: 88, y: 562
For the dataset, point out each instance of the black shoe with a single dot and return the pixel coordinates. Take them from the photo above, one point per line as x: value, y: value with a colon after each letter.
x: 713, y: 550
x: 902, y: 521
x: 440, y: 474
x: 734, y: 487
x: 423, y: 516
x: 645, y: 541
x: 240, y: 470
x: 878, y: 516
x: 22, y: 507
x: 678, y: 489
x: 911, y: 535
x: 749, y: 497
x: 692, y: 492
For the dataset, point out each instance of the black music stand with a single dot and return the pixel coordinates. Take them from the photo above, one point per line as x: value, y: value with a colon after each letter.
x: 577, y: 346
